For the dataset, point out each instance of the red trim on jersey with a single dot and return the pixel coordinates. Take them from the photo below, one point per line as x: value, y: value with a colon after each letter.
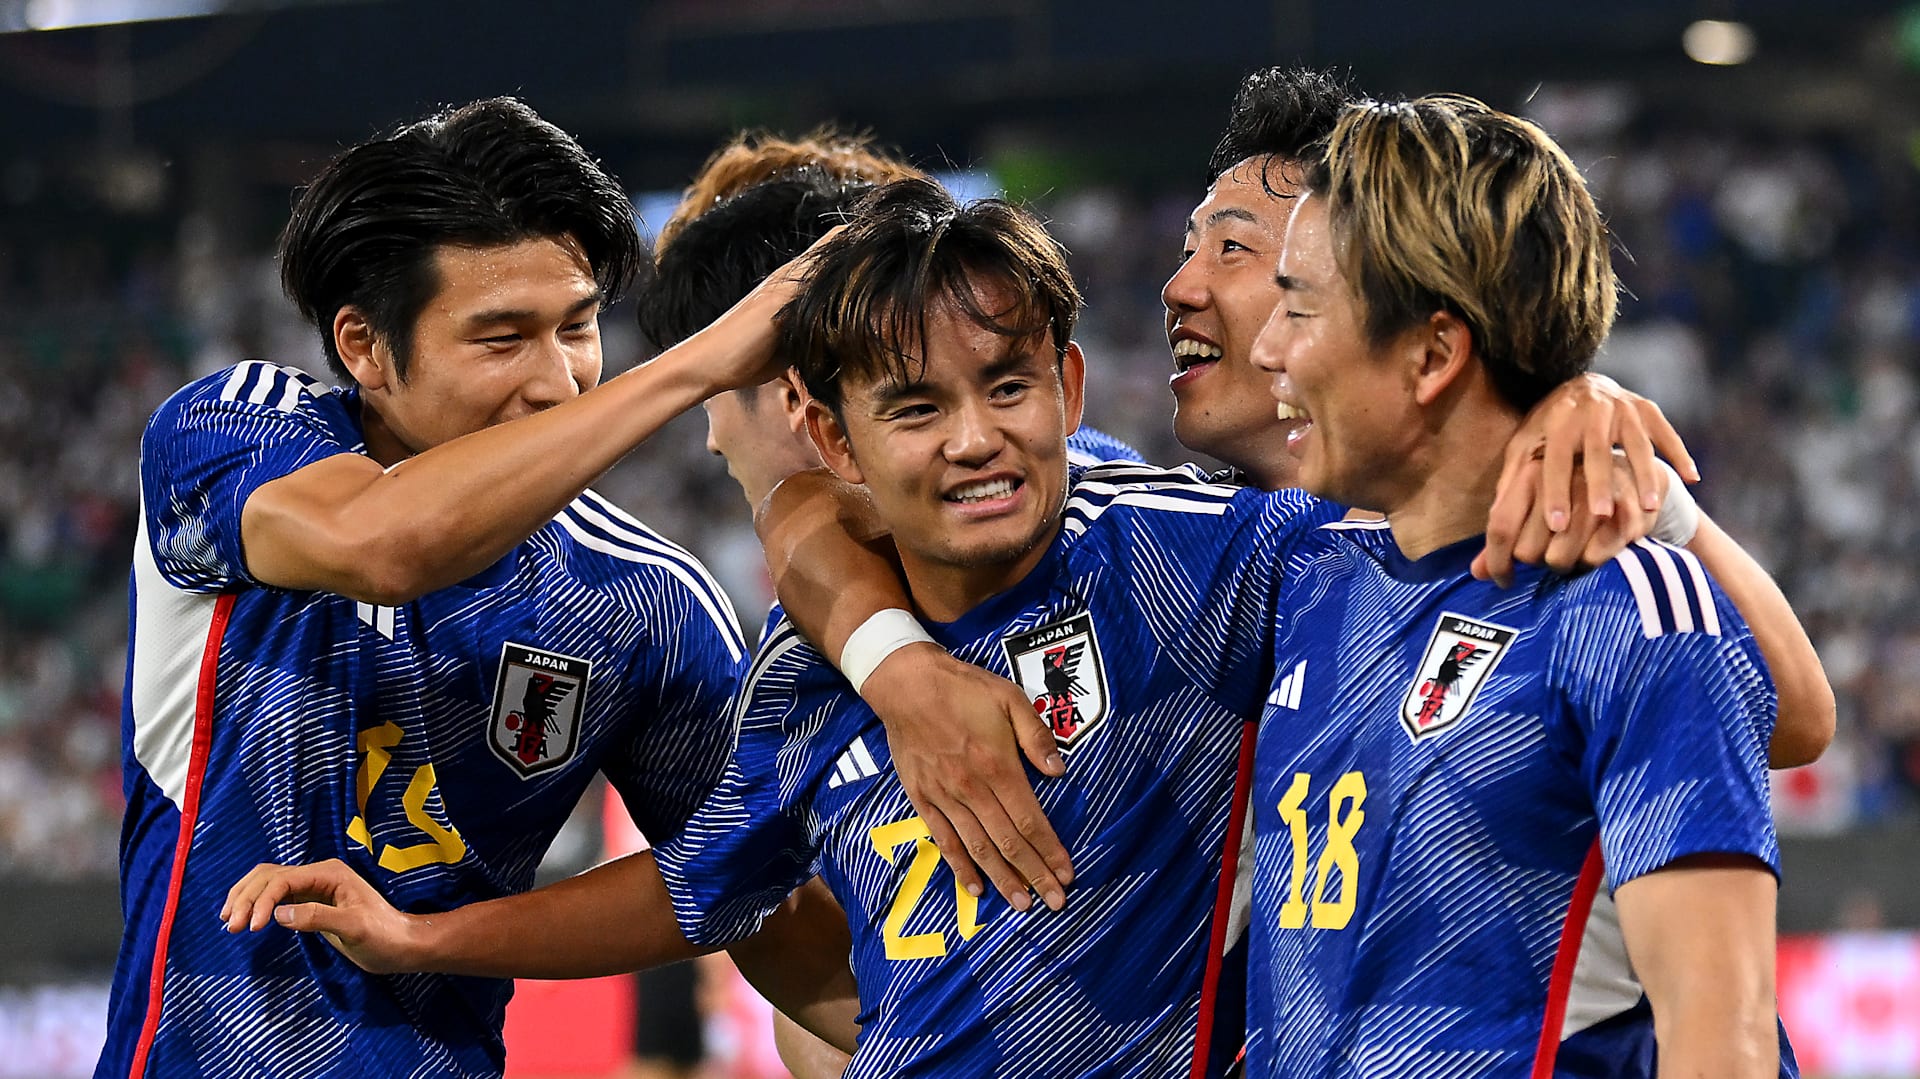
x: 189, y: 814
x: 1223, y: 902
x: 1560, y: 985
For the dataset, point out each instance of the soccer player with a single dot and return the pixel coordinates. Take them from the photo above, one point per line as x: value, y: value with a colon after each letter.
x: 1500, y: 831
x: 383, y: 624
x: 959, y: 761
x: 935, y: 342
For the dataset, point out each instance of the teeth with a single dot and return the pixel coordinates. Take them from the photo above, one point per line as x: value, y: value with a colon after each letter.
x: 1199, y: 350
x: 980, y: 492
x: 1291, y: 412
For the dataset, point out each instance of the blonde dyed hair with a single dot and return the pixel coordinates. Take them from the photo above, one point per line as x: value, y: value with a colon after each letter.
x: 751, y: 158
x: 1444, y: 204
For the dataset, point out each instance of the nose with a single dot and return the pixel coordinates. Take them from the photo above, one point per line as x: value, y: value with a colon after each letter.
x: 558, y: 372
x: 1186, y: 290
x: 975, y: 437
x: 1267, y: 353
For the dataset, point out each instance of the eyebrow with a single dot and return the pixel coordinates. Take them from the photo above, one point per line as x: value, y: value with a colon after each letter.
x: 1290, y: 283
x: 1225, y: 213
x: 521, y: 314
x: 1012, y: 358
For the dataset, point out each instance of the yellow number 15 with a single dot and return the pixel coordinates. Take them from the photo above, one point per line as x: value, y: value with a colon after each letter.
x: 1344, y: 817
x: 926, y: 858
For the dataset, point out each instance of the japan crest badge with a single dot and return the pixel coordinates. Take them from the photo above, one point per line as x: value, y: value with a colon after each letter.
x: 538, y: 699
x: 1460, y: 655
x: 1060, y: 667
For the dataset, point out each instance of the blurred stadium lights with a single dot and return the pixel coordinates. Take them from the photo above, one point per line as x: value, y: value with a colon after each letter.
x: 68, y: 14
x: 1710, y: 41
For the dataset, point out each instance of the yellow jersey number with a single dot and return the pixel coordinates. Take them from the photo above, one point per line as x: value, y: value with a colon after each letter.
x: 887, y: 840
x: 443, y: 841
x: 1344, y: 817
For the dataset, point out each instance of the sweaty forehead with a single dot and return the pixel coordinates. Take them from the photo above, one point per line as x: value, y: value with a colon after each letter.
x: 1239, y: 194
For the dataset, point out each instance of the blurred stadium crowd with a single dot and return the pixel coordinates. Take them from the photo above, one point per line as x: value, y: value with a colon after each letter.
x: 1775, y: 314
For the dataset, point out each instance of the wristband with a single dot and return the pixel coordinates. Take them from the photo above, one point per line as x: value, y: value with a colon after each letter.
x: 1679, y: 516
x: 880, y: 636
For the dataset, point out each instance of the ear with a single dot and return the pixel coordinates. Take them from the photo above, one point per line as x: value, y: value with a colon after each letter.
x: 830, y: 438
x: 360, y: 350
x: 1443, y: 347
x: 792, y: 395
x: 1073, y: 384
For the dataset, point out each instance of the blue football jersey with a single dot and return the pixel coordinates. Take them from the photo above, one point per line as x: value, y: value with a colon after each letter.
x: 436, y: 746
x: 1140, y: 639
x: 1453, y: 777
x: 1091, y: 446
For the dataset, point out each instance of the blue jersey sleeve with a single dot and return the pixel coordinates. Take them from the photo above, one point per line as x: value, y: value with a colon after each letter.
x: 750, y: 844
x: 210, y: 446
x: 678, y: 754
x: 1678, y: 708
x: 1089, y: 446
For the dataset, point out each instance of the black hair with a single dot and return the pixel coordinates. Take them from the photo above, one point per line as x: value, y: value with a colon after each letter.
x: 910, y: 246
x: 719, y: 256
x: 1280, y: 113
x: 364, y: 232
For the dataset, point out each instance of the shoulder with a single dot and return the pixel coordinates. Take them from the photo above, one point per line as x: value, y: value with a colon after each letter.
x: 1089, y: 446
x: 1651, y: 588
x: 607, y: 545
x: 787, y: 667
x: 256, y: 390
x: 1096, y: 490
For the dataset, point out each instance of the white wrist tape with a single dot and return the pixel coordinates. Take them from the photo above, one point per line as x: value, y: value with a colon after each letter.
x: 1679, y: 516
x: 880, y: 636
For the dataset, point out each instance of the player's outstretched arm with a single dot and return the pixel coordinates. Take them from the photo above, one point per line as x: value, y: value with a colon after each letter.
x: 1700, y: 935
x: 1586, y: 420
x: 348, y: 526
x: 800, y: 961
x: 612, y: 919
x: 955, y: 731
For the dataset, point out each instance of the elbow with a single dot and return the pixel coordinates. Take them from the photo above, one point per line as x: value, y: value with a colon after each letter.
x: 1806, y: 726
x: 388, y: 568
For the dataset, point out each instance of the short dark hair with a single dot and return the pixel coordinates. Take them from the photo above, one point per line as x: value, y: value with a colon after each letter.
x: 1280, y: 112
x: 863, y: 309
x: 719, y: 256
x: 364, y: 232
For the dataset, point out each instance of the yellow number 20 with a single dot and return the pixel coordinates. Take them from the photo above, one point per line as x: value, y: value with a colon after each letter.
x: 926, y: 858
x: 1344, y: 817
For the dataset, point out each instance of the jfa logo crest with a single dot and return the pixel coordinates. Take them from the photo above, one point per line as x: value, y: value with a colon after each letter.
x: 537, y: 702
x: 1460, y: 655
x: 1061, y: 669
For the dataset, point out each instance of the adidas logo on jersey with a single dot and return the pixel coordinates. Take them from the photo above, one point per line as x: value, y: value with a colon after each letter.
x: 1287, y: 693
x: 854, y: 765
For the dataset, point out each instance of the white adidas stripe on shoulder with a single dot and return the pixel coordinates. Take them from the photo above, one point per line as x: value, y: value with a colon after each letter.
x: 1123, y: 483
x: 1656, y: 572
x: 603, y: 527
x: 1361, y: 525
x: 257, y: 382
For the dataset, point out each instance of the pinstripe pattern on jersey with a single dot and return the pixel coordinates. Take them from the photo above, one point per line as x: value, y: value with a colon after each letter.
x: 1473, y: 839
x: 1176, y: 589
x: 305, y: 680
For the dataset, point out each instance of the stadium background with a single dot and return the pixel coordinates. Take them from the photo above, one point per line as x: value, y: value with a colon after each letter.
x: 1767, y: 210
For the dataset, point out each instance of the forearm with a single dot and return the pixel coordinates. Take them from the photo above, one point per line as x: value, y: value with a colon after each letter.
x: 831, y: 560
x: 612, y: 919
x: 1806, y: 719
x: 438, y: 518
x: 799, y: 961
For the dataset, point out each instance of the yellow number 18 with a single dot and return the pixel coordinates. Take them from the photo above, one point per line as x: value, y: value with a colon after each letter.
x: 1344, y: 817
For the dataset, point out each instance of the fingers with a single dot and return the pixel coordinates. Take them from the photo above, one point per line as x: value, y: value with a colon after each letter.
x: 1597, y: 459
x: 979, y: 846
x: 1512, y: 507
x: 1643, y: 481
x: 1556, y: 473
x: 1008, y: 834
x: 953, y: 849
x: 1667, y: 440
x: 251, y: 901
x: 1036, y: 738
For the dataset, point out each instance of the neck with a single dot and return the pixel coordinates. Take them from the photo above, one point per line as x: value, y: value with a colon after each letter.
x: 946, y: 591
x: 382, y: 444
x: 1452, y: 479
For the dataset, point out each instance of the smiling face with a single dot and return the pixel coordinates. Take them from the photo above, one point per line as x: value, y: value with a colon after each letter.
x: 967, y: 463
x: 1216, y: 302
x: 1359, y: 422
x: 511, y: 330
